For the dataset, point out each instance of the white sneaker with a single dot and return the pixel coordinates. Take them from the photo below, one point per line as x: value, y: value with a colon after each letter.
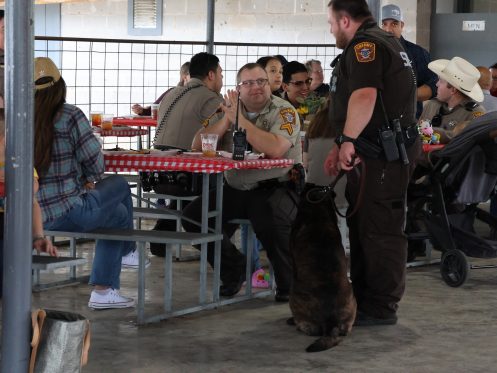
x: 131, y: 260
x: 110, y: 300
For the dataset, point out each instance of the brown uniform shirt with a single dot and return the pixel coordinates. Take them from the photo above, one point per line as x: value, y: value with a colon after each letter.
x: 184, y: 111
x: 374, y: 59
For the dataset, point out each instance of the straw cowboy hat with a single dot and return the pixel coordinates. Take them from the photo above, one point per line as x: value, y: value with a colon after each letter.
x: 460, y: 74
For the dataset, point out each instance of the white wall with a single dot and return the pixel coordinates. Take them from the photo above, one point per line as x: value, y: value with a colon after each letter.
x: 275, y: 21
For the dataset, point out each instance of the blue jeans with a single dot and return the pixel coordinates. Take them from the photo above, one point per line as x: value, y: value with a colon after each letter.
x: 256, y: 246
x: 109, y: 205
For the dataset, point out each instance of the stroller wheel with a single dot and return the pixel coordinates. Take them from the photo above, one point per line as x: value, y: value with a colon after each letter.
x: 454, y: 268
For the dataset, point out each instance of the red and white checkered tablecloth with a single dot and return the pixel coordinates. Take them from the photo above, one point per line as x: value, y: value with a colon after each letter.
x: 125, y: 132
x: 189, y: 163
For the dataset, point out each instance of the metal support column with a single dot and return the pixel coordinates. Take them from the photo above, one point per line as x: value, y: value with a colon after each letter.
x: 19, y: 186
x: 375, y: 8
x: 211, y: 6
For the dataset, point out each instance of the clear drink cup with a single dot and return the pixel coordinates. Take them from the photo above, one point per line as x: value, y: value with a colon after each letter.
x: 107, y: 122
x: 209, y: 144
x: 96, y: 118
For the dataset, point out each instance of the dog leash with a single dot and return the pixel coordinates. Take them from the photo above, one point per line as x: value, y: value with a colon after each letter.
x: 319, y: 194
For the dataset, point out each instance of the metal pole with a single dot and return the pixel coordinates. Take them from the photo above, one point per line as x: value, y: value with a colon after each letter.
x: 211, y: 6
x: 19, y: 186
x: 374, y: 7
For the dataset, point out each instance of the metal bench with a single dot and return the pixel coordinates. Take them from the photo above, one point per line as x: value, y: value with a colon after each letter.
x: 46, y: 263
x: 168, y: 238
x: 149, y: 213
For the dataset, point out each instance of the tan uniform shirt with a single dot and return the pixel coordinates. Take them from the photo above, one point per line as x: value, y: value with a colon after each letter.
x: 185, y: 109
x: 450, y: 118
x: 278, y: 117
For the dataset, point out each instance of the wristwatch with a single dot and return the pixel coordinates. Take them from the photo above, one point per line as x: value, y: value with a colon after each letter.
x: 340, y: 139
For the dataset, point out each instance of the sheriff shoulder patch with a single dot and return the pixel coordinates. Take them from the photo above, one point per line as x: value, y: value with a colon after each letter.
x: 365, y: 51
x: 288, y: 116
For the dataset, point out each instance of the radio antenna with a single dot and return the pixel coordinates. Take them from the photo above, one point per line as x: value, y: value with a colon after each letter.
x: 237, y: 111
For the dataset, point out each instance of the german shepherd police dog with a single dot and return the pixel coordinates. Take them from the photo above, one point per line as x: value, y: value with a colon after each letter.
x: 321, y: 298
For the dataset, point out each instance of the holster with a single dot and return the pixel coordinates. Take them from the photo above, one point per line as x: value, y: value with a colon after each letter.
x: 370, y: 149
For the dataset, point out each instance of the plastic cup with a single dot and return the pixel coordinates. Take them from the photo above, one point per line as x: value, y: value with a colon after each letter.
x: 107, y: 122
x: 96, y: 118
x: 154, y: 108
x: 209, y: 144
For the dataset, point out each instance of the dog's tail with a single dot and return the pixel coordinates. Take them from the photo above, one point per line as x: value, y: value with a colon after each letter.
x: 325, y: 342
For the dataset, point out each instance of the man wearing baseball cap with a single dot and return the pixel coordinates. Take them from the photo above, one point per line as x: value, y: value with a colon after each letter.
x: 393, y: 23
x: 458, y: 95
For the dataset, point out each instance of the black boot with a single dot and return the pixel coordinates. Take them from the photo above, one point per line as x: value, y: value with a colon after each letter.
x: 159, y: 249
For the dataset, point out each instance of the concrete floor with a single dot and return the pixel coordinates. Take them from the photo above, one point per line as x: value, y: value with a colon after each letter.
x: 440, y: 329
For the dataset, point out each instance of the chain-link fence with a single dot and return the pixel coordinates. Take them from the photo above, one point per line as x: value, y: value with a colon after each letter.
x: 110, y: 75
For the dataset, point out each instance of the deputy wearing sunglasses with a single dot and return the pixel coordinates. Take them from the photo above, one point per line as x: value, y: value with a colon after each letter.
x: 296, y: 82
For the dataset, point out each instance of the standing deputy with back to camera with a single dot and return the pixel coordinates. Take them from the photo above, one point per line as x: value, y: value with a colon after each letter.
x: 366, y: 78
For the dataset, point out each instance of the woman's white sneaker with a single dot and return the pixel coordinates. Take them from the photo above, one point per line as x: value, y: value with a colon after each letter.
x: 109, y: 299
x: 131, y: 260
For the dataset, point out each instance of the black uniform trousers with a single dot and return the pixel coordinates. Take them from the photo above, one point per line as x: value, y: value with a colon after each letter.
x: 378, y: 245
x: 271, y: 210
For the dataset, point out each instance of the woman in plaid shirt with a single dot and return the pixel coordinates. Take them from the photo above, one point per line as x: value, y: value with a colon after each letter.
x: 69, y: 161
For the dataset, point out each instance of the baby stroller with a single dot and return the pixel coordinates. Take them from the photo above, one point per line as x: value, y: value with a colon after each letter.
x: 463, y: 174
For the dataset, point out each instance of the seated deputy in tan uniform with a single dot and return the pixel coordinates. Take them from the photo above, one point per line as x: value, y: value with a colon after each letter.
x: 265, y: 197
x: 184, y: 110
x: 458, y: 95
x: 182, y: 113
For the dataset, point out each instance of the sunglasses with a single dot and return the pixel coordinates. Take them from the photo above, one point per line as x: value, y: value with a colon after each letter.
x: 250, y: 83
x: 300, y: 83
